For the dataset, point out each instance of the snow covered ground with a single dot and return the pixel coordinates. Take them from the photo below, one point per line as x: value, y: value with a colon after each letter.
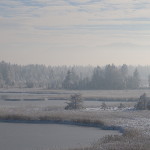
x: 127, y: 117
x: 110, y: 109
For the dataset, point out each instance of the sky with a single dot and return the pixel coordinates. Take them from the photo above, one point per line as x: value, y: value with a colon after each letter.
x: 75, y: 32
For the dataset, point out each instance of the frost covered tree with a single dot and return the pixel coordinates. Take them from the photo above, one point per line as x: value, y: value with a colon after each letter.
x: 97, y: 81
x: 136, y: 79
x: 143, y: 103
x: 133, y: 82
x: 104, y: 106
x: 124, y: 75
x: 75, y: 102
x: 71, y: 80
x: 72, y: 77
x: 149, y: 80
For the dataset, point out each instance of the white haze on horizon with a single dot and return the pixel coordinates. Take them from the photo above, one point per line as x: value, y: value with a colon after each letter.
x: 81, y: 32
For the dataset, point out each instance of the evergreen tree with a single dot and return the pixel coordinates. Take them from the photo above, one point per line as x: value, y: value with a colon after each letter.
x: 71, y: 80
x: 75, y: 102
x: 133, y: 82
x: 97, y: 81
x: 136, y: 79
x: 149, y: 80
x: 124, y: 74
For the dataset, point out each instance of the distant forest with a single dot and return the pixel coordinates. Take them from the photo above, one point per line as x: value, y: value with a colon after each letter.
x: 109, y: 77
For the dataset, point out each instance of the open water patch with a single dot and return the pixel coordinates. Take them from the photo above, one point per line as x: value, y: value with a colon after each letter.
x: 33, y: 136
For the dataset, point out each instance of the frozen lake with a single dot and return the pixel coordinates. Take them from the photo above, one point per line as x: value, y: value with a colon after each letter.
x: 23, y: 136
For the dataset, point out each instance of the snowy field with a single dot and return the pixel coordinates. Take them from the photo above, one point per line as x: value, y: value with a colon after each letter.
x: 126, y: 117
x: 38, y: 101
x: 41, y: 94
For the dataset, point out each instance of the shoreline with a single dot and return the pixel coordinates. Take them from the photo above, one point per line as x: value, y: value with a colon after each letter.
x: 67, y: 122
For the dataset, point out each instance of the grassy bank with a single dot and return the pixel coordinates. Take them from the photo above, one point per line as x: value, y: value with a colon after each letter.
x: 130, y: 140
x: 63, y: 117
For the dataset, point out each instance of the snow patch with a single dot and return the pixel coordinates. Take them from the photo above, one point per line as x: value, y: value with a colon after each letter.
x: 109, y: 109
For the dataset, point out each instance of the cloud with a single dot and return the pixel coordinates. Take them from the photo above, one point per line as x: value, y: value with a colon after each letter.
x: 79, y: 14
x: 67, y: 25
x: 114, y: 27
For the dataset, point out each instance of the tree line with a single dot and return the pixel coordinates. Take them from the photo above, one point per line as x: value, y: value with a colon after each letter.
x: 37, y: 76
x: 73, y: 77
x: 107, y: 78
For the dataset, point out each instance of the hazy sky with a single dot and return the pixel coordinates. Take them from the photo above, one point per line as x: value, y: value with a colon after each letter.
x: 75, y: 32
